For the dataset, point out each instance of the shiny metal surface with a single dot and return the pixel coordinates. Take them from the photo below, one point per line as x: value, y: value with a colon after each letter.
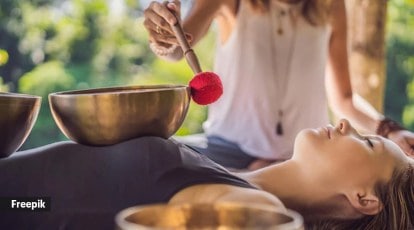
x: 208, y: 216
x: 18, y: 114
x: 105, y: 116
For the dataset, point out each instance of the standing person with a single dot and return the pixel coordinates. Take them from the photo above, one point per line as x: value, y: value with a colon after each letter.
x: 281, y: 63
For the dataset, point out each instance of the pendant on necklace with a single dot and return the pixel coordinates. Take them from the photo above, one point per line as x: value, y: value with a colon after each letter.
x: 282, y: 13
x: 279, y: 31
x: 279, y: 127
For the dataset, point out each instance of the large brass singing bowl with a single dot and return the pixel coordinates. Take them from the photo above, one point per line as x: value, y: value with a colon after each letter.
x: 106, y: 116
x: 18, y: 114
x: 208, y: 216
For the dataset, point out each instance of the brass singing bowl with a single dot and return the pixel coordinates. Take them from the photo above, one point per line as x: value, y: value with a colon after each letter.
x: 105, y: 116
x: 17, y: 117
x: 223, y: 215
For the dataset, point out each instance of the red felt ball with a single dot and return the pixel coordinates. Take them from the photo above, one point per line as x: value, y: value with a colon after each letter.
x: 206, y: 88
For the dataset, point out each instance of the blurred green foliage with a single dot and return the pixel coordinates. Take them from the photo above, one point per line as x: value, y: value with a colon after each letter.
x: 399, y: 97
x: 48, y: 46
x: 46, y: 77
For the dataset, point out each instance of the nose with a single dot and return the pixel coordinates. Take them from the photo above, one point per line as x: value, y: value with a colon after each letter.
x: 344, y: 127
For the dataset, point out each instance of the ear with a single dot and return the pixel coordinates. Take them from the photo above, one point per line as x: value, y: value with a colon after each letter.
x: 364, y: 202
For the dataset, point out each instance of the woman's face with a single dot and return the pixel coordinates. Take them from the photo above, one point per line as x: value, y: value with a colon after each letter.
x: 341, y: 156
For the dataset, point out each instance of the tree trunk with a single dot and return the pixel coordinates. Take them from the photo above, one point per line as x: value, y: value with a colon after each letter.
x: 366, y: 26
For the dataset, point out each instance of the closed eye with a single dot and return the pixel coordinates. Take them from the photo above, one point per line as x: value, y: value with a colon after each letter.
x: 369, y: 142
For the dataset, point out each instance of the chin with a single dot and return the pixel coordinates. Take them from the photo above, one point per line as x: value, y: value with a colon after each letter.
x: 307, y: 143
x: 304, y: 132
x: 305, y: 135
x: 305, y: 139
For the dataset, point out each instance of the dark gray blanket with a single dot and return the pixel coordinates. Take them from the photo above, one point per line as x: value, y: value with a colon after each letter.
x: 89, y: 185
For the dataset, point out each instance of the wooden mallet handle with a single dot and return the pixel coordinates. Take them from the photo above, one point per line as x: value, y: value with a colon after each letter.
x: 189, y: 54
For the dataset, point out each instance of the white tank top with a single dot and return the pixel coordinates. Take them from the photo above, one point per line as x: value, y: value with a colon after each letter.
x: 264, y: 72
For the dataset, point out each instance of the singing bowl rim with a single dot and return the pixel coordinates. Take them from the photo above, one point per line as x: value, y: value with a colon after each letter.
x: 116, y: 90
x: 29, y: 108
x: 130, y: 91
x: 8, y: 96
x: 296, y: 223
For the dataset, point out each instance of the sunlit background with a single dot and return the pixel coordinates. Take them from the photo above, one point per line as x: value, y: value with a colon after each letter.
x: 54, y: 45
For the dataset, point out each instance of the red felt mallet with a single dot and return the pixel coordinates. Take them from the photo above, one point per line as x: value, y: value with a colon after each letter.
x: 205, y: 87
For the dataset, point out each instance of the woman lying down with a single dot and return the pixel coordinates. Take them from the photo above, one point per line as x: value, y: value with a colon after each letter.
x: 336, y: 178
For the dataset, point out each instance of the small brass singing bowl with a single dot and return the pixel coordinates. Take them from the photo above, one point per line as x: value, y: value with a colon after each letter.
x: 222, y: 215
x: 17, y: 117
x: 106, y: 116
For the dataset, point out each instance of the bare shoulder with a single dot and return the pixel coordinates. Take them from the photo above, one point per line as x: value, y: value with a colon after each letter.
x: 230, y: 5
x: 201, y: 15
x: 228, y: 9
x: 224, y: 193
x: 254, y: 196
x: 214, y: 8
x: 226, y: 18
x: 211, y: 7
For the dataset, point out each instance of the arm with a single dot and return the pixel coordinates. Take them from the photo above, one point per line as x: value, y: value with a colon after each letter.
x: 342, y: 100
x: 338, y: 82
x: 158, y: 21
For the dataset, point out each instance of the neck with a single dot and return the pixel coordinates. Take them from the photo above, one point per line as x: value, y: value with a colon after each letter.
x: 291, y: 185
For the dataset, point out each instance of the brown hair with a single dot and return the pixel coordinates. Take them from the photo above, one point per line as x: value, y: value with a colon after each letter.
x: 316, y: 12
x: 397, y: 198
